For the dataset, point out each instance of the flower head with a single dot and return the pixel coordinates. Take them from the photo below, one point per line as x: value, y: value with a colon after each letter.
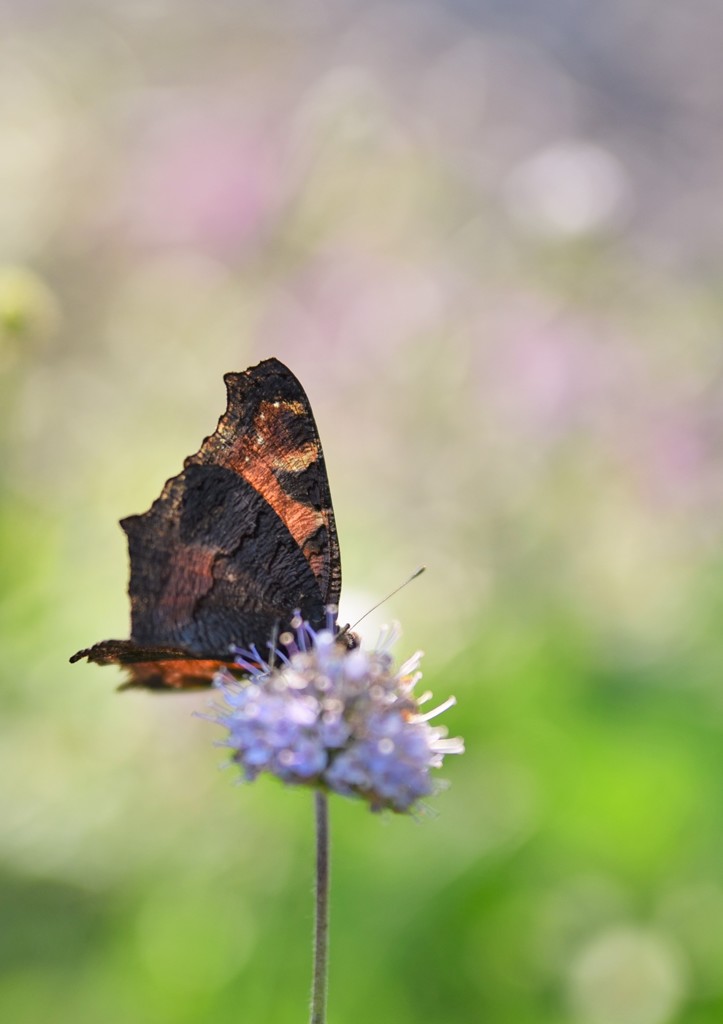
x: 321, y: 715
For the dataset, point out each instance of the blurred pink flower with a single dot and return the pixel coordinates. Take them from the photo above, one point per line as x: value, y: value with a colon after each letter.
x: 670, y: 453
x: 209, y: 180
x: 354, y: 304
x: 542, y: 368
x: 551, y: 373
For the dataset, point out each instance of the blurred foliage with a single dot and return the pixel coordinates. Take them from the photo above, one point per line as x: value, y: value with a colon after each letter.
x: 489, y: 247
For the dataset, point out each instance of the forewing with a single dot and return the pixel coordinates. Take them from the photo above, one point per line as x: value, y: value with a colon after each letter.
x: 268, y: 436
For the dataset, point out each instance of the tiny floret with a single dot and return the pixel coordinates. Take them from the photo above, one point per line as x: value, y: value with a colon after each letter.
x: 318, y: 714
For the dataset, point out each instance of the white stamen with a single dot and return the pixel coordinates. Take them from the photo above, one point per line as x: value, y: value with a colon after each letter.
x: 411, y: 664
x: 388, y: 636
x: 454, y: 745
x: 450, y: 702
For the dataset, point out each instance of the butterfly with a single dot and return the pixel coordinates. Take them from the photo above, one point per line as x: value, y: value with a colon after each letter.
x: 242, y: 538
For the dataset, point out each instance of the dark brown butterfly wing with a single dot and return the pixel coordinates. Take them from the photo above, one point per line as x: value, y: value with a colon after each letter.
x: 236, y: 542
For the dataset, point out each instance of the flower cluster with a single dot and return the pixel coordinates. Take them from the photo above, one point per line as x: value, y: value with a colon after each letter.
x: 320, y: 715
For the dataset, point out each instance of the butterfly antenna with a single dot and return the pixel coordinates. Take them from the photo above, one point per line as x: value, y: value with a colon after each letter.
x: 417, y: 572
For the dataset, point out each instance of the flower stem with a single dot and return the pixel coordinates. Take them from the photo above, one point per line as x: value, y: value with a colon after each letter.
x: 321, y: 925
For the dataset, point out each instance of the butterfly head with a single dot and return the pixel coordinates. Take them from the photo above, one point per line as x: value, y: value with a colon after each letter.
x: 346, y: 639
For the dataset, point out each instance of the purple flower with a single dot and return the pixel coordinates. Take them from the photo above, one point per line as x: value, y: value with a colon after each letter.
x: 320, y: 715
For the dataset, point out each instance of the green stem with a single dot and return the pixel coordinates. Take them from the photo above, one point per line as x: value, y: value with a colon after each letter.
x: 321, y: 925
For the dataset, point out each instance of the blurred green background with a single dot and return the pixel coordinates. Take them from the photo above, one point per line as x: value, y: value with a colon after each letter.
x: 487, y: 238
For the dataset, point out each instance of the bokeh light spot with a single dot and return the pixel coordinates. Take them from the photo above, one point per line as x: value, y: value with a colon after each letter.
x: 627, y: 975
